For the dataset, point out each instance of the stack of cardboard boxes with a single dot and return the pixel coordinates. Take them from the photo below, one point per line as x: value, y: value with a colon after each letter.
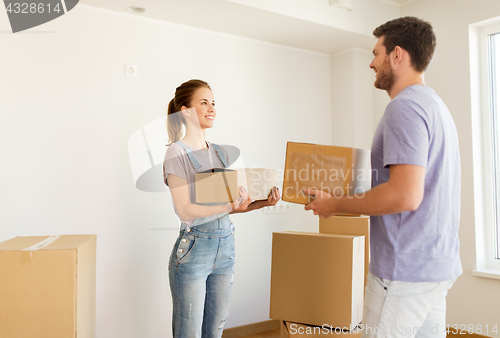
x: 318, y: 279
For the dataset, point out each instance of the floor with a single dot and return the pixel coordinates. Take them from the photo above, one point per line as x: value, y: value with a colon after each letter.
x: 276, y: 334
x: 269, y: 334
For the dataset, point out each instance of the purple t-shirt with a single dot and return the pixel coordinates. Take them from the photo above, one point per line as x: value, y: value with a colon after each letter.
x: 421, y: 245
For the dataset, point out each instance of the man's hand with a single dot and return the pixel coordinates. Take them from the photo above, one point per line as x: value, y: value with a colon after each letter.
x: 403, y: 192
x: 323, y: 204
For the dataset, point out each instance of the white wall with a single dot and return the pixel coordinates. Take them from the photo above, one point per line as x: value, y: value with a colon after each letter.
x: 342, y: 99
x: 472, y: 300
x: 67, y: 112
x: 356, y: 104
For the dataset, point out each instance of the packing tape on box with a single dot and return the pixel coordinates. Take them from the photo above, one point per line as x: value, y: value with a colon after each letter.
x: 227, y: 187
x: 27, y: 257
x: 42, y: 244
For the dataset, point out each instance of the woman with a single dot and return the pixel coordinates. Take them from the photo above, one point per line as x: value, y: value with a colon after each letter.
x: 202, y: 260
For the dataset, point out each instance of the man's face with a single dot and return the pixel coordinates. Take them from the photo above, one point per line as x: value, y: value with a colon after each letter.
x: 382, y: 66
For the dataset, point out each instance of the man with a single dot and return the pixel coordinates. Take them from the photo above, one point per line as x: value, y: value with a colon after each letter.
x: 414, y: 202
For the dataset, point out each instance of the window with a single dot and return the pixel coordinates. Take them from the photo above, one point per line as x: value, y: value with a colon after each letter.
x: 493, y: 41
x: 485, y: 106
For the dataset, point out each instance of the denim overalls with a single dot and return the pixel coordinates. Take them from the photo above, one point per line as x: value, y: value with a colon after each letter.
x: 201, y: 270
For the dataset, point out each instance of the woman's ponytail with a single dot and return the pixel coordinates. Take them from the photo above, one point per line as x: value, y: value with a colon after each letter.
x: 183, y: 96
x: 175, y: 120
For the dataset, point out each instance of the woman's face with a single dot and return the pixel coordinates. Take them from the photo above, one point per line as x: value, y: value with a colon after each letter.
x: 203, y: 108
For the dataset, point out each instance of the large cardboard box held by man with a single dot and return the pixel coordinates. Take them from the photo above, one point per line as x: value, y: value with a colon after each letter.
x: 317, y: 278
x: 339, y: 171
x: 349, y: 225
x: 47, y: 286
x: 222, y: 185
x: 289, y: 330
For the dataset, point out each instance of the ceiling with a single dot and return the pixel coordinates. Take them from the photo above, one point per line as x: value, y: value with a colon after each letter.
x: 244, y: 20
x: 403, y: 2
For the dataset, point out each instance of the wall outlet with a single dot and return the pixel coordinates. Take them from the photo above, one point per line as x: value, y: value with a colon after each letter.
x: 131, y: 70
x: 279, y: 208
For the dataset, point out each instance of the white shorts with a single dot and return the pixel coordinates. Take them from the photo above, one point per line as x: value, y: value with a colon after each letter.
x: 404, y: 309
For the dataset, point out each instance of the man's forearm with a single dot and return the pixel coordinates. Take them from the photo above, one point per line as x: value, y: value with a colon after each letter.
x: 381, y: 200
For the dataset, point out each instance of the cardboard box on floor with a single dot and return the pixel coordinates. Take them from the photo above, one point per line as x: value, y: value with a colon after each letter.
x: 317, y: 278
x: 289, y: 329
x: 339, y: 171
x: 47, y: 286
x: 349, y: 225
x: 221, y: 185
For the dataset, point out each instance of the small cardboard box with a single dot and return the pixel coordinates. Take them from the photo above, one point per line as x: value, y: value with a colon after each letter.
x: 289, y: 329
x: 339, y: 171
x: 47, y: 286
x: 317, y: 278
x: 221, y: 185
x: 349, y: 225
x: 216, y: 186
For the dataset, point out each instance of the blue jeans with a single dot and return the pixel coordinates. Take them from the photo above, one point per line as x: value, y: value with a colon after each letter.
x: 201, y: 271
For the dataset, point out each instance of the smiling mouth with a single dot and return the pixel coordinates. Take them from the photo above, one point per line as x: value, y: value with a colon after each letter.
x: 209, y: 117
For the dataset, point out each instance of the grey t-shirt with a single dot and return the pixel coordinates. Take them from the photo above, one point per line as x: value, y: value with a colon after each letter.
x: 177, y: 163
x: 421, y: 245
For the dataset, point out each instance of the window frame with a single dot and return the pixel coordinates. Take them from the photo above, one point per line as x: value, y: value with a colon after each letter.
x: 493, y: 42
x: 485, y: 180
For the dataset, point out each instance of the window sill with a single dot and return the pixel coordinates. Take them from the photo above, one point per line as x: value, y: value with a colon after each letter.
x: 487, y: 273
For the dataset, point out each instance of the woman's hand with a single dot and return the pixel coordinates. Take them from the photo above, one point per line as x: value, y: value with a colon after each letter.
x: 242, y: 202
x: 272, y: 198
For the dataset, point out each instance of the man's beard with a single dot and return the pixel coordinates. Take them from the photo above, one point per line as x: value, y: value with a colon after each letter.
x: 385, y: 76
